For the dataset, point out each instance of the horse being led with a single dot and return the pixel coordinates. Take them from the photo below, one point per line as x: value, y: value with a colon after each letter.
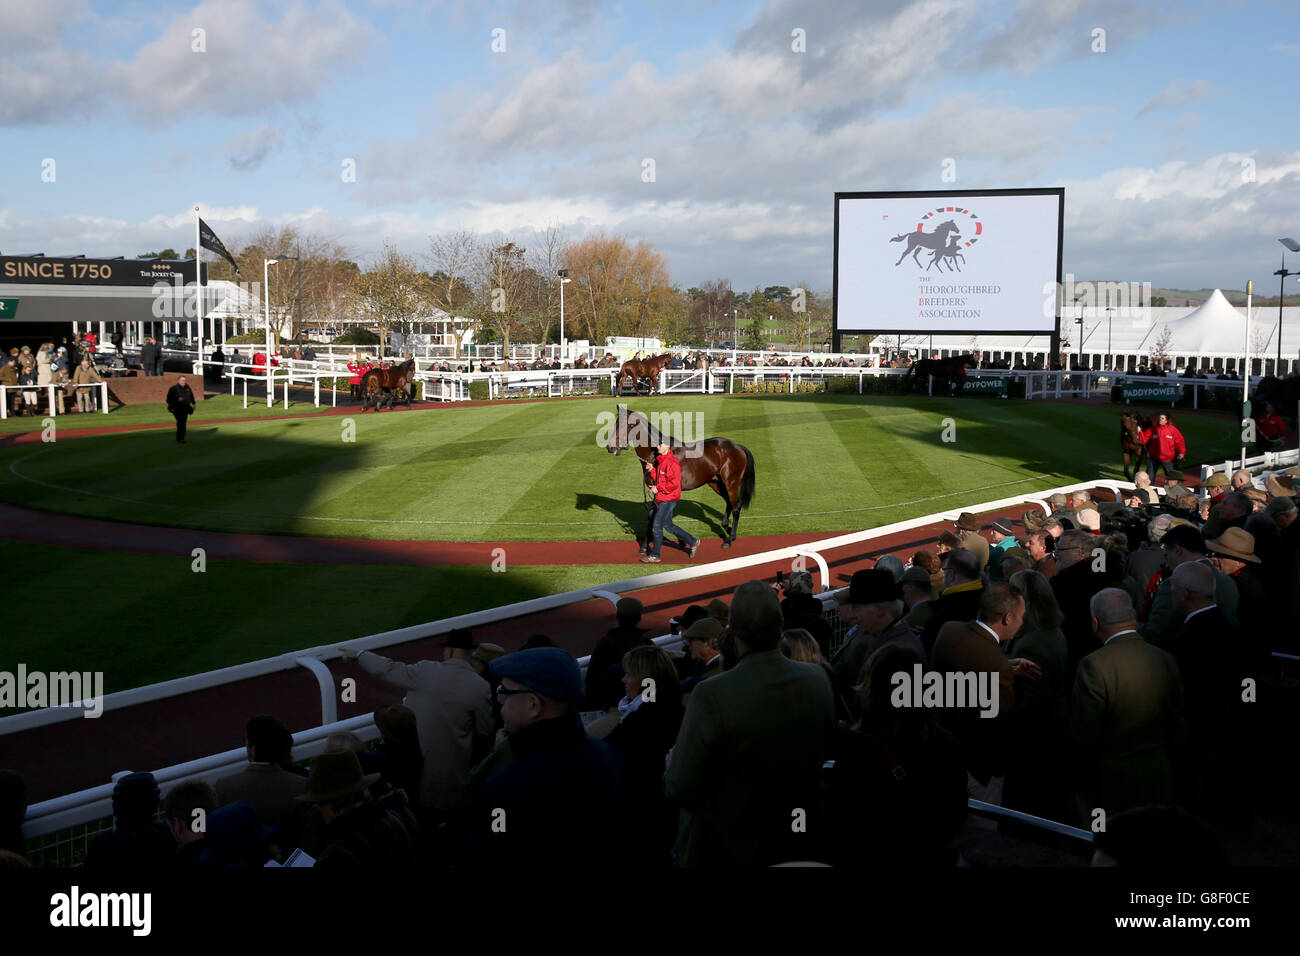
x: 916, y: 241
x: 379, y: 384
x: 637, y: 369
x: 1131, y: 426
x: 724, y: 465
x: 945, y: 369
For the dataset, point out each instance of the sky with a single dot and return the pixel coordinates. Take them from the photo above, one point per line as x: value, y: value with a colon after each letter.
x: 717, y: 131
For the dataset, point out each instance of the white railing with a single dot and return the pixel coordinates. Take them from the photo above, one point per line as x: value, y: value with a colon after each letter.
x: 289, y: 661
x: 50, y: 390
x: 1263, y: 464
x: 95, y: 803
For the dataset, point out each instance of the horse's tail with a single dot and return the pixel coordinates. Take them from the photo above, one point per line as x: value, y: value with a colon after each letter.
x: 747, y: 482
x: 900, y: 237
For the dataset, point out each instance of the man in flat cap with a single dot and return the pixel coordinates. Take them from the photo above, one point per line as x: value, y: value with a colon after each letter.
x: 968, y: 527
x: 605, y: 668
x: 453, y: 712
x: 562, y: 800
x: 701, y: 642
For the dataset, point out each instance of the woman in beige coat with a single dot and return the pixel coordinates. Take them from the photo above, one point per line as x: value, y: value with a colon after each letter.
x: 43, y: 373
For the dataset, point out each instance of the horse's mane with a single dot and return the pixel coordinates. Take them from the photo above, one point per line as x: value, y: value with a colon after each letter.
x: 654, y: 432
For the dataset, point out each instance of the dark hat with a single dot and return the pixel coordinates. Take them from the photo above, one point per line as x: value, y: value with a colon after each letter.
x: 135, y: 795
x: 460, y: 638
x: 1280, y: 506
x: 968, y: 522
x: 871, y: 587
x: 548, y: 670
x: 335, y: 775
x: 628, y: 607
x: 1176, y: 491
x: 705, y: 629
x: 1020, y: 553
x: 950, y: 540
x: 718, y: 609
x: 234, y: 834
x: 689, y: 616
x: 917, y: 575
x: 800, y: 582
x: 1003, y: 525
x: 396, y: 722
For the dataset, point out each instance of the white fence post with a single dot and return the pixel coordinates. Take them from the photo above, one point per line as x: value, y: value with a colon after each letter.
x: 103, y: 386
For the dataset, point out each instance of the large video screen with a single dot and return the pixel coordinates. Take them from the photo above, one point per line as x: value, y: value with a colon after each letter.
x: 984, y: 261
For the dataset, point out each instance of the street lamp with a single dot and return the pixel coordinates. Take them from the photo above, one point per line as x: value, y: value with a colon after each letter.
x: 1079, y: 322
x: 297, y: 259
x: 563, y: 276
x: 1282, y: 274
x: 1110, y: 355
x: 266, y: 306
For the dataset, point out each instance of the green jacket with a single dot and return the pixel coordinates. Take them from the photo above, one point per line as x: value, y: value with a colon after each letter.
x: 1126, y: 715
x: 748, y: 759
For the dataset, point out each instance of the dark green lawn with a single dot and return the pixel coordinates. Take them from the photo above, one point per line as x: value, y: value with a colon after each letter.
x: 146, y: 618
x: 534, y: 471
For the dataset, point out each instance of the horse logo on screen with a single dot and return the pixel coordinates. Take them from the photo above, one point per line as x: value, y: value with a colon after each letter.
x: 944, y: 243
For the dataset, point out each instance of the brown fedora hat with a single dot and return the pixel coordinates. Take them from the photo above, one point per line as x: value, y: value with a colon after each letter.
x: 1281, y: 486
x: 1234, y: 543
x: 968, y: 522
x: 335, y: 775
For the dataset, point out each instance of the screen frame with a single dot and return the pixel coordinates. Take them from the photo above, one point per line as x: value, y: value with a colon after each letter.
x: 921, y: 195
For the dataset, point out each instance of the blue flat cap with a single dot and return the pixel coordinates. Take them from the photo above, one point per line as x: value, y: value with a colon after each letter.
x: 548, y: 670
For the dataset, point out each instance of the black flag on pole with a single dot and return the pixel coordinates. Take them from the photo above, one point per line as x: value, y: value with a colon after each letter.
x: 208, y: 239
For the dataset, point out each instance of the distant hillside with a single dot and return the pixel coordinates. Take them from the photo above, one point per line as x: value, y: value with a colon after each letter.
x: 1194, y: 297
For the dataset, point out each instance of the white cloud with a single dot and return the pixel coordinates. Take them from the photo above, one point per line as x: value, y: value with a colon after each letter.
x: 1177, y: 93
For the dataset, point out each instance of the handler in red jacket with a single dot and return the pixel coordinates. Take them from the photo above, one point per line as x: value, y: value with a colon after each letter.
x: 1270, y: 429
x: 1164, y: 444
x: 666, y: 474
x: 357, y: 369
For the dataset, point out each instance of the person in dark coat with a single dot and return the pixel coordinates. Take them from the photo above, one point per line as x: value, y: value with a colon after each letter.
x: 359, y: 833
x: 902, y: 764
x: 960, y: 598
x: 150, y: 357
x: 401, y: 745
x: 650, y: 717
x: 563, y: 797
x: 180, y: 402
x: 604, y: 667
x: 137, y: 842
x: 1074, y: 585
x: 187, y: 808
x: 13, y: 808
x: 1214, y: 661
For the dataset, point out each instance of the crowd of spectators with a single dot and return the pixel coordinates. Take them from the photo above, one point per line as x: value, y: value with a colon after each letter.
x: 1121, y: 641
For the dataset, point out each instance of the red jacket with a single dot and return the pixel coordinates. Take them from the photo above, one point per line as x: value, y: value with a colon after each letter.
x: 1164, y: 442
x: 357, y: 369
x: 667, y: 476
x: 1270, y: 426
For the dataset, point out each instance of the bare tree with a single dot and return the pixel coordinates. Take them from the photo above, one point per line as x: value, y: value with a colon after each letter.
x: 545, y: 259
x: 391, y: 292
x: 1160, y: 348
x: 505, y: 290
x: 452, y: 257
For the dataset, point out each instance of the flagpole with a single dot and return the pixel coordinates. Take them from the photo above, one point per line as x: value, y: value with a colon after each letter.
x: 198, y: 285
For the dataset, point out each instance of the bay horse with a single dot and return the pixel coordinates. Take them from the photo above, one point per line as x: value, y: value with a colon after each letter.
x: 637, y: 369
x: 1131, y: 426
x: 943, y: 368
x: 386, y: 380
x: 724, y: 465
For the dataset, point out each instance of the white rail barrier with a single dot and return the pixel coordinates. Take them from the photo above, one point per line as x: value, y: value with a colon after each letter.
x: 50, y: 390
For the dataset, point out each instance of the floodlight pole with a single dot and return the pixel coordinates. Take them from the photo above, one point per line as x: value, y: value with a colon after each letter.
x: 266, y: 305
x: 1281, y: 288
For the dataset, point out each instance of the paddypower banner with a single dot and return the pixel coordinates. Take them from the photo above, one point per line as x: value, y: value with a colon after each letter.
x: 1150, y: 392
x: 996, y: 385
